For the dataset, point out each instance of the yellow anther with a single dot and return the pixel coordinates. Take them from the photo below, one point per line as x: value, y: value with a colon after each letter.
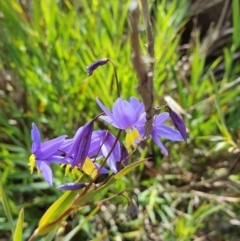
x: 68, y: 167
x: 136, y: 135
x: 39, y: 172
x: 74, y: 171
x: 32, y: 161
x: 132, y: 137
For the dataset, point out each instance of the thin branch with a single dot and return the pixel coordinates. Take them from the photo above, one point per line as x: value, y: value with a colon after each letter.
x: 149, y: 36
x: 145, y: 75
x: 209, y: 183
x: 136, y: 56
x: 216, y: 197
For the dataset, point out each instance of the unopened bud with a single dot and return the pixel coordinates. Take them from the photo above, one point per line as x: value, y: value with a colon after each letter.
x: 95, y: 65
x: 178, y: 123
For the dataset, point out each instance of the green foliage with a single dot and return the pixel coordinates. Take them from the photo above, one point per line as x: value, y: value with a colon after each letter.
x: 187, y: 226
x: 19, y: 227
x: 71, y: 234
x: 44, y: 50
x: 57, y: 209
x: 6, y: 208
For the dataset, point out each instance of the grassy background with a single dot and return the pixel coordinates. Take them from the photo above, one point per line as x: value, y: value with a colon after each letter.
x: 45, y: 47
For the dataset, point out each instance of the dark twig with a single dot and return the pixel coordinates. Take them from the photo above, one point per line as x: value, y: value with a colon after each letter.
x: 145, y: 75
x: 215, y: 34
x: 209, y: 183
x: 149, y: 37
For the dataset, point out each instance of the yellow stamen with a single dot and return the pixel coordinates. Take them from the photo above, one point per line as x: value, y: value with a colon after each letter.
x: 131, y: 138
x: 39, y: 172
x: 67, y: 169
x: 74, y: 171
x: 32, y: 161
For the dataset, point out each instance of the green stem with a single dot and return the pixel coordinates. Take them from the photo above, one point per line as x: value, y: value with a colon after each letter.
x: 116, y: 77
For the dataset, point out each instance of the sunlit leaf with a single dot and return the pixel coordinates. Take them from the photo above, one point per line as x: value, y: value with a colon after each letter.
x: 101, y: 236
x: 19, y: 227
x: 55, y: 211
x: 74, y: 231
x: 6, y: 207
x: 128, y: 168
x: 16, y: 6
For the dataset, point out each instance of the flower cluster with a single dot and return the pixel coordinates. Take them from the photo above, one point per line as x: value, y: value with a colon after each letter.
x: 88, y: 146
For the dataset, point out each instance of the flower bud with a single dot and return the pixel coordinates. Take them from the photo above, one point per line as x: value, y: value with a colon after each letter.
x: 178, y: 123
x: 95, y: 65
x: 72, y: 186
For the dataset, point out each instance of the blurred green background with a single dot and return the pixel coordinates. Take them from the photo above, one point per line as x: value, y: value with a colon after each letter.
x: 45, y: 46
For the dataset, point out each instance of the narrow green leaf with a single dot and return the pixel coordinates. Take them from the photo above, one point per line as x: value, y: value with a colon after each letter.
x: 206, y: 210
x: 92, y: 192
x: 50, y: 236
x: 168, y: 211
x: 129, y: 168
x: 19, y: 227
x: 16, y: 6
x: 6, y: 207
x: 74, y: 231
x: 166, y: 220
x: 236, y: 24
x: 101, y: 236
x: 55, y: 211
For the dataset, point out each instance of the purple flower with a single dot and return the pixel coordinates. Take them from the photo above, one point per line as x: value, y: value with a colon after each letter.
x: 72, y: 186
x: 125, y: 116
x: 95, y: 65
x: 124, y: 158
x: 104, y: 141
x: 132, y: 208
x: 74, y: 145
x: 103, y: 169
x: 160, y: 130
x: 80, y: 147
x: 44, y: 153
x: 178, y: 123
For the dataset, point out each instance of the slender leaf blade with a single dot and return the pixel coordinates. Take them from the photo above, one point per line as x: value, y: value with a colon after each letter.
x: 19, y: 227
